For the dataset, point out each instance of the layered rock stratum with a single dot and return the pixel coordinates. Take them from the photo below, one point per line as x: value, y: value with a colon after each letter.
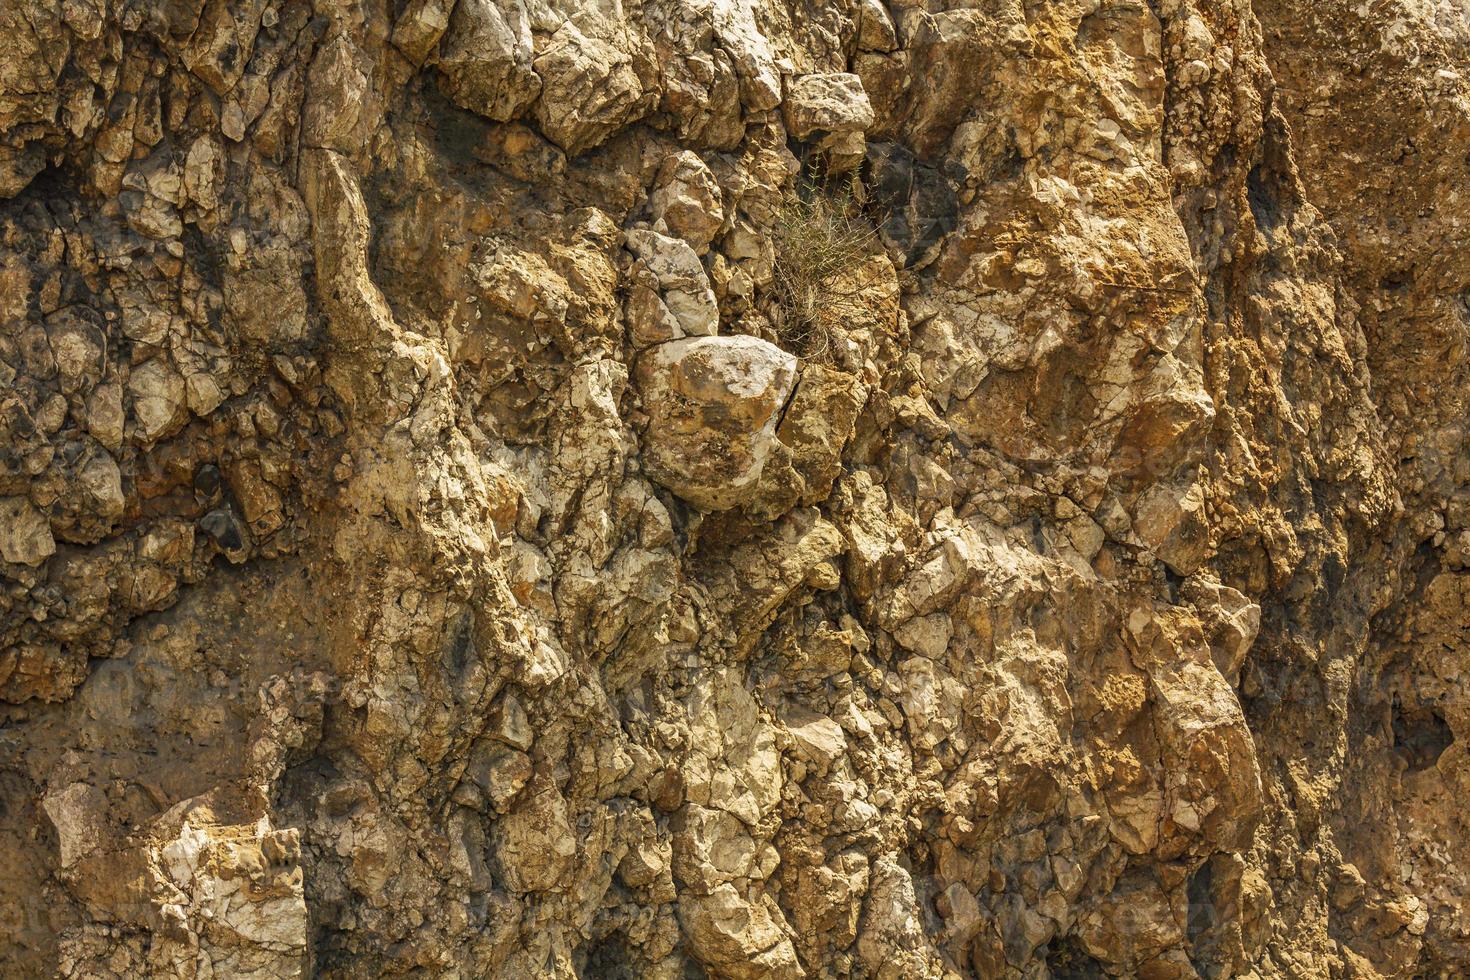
x: 734, y: 488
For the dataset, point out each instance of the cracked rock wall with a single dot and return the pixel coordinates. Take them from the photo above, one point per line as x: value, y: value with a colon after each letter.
x: 427, y: 549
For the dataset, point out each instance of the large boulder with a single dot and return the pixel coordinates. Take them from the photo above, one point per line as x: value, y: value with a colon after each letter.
x: 713, y: 404
x: 485, y: 60
x: 593, y: 88
x: 832, y: 112
x: 829, y: 102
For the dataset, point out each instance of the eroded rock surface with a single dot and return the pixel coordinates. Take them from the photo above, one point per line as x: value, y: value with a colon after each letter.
x: 713, y: 405
x: 426, y: 550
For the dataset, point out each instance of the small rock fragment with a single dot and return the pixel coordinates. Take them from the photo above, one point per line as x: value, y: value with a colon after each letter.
x: 686, y: 200
x: 684, y: 304
x: 25, y: 534
x: 159, y: 400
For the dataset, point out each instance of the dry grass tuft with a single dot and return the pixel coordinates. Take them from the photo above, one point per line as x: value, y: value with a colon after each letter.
x: 819, y: 235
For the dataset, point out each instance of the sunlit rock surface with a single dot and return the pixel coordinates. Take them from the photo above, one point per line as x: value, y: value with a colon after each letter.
x: 427, y: 549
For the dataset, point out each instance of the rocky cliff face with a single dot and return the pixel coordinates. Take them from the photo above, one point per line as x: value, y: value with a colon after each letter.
x: 734, y: 488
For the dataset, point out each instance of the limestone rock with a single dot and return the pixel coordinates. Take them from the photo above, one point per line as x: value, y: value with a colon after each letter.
x: 338, y: 110
x: 737, y: 937
x: 501, y: 775
x: 79, y: 347
x: 712, y: 847
x: 713, y: 405
x: 1231, y: 623
x: 78, y: 815
x: 823, y: 105
x: 158, y: 400
x: 671, y: 295
x: 739, y: 34
x: 817, y: 426
x: 592, y: 89
x: 1169, y: 521
x: 687, y: 202
x: 25, y: 534
x: 485, y: 59
x: 534, y: 844
x: 509, y: 724
x: 875, y: 27
x: 104, y: 415
x: 420, y: 27
x: 1089, y: 601
x: 242, y: 907
x: 816, y: 738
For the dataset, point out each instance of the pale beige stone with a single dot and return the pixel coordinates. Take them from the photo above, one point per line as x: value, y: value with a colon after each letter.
x: 25, y: 534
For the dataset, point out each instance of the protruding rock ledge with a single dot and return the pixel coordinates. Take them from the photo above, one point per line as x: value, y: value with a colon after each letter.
x: 713, y: 404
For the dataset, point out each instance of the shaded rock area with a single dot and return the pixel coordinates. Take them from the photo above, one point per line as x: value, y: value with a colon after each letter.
x: 426, y: 551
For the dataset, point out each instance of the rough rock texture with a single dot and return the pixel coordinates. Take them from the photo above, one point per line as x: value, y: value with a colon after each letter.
x: 713, y: 404
x: 421, y: 554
